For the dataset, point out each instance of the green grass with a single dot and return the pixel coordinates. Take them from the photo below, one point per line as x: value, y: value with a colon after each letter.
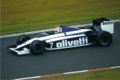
x: 98, y: 75
x: 28, y: 15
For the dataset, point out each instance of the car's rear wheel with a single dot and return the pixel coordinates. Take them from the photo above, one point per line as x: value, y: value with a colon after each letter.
x: 37, y: 47
x: 104, y: 39
x: 22, y: 38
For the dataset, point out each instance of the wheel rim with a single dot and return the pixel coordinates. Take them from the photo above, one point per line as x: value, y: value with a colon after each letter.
x: 37, y: 47
x: 105, y: 40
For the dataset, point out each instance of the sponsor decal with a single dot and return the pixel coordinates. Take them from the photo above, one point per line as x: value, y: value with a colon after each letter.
x: 107, y: 22
x: 70, y: 43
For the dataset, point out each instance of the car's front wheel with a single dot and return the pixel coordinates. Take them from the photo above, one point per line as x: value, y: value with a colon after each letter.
x: 22, y: 38
x: 104, y: 39
x: 37, y: 47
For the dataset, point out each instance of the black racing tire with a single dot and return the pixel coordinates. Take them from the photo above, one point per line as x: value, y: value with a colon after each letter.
x: 37, y: 47
x: 104, y: 39
x: 22, y: 38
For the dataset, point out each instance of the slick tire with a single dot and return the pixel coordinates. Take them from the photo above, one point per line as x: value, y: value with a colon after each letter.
x: 37, y: 47
x: 22, y: 38
x: 104, y: 39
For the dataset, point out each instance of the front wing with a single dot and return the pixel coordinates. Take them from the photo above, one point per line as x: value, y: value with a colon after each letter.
x: 22, y: 51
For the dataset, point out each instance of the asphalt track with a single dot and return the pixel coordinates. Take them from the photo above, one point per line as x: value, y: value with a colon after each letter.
x: 13, y: 66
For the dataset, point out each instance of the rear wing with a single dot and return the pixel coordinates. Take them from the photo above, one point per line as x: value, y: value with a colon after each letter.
x: 104, y: 25
x: 108, y: 26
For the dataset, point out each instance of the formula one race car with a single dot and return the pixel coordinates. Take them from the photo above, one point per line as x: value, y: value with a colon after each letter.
x: 100, y: 33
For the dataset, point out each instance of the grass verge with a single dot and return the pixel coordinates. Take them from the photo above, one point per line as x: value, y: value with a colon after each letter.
x: 21, y: 16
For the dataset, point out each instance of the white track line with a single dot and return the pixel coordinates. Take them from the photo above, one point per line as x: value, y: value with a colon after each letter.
x: 17, y: 34
x: 67, y: 73
x: 115, y: 67
x: 33, y: 32
x: 28, y: 78
x: 75, y: 72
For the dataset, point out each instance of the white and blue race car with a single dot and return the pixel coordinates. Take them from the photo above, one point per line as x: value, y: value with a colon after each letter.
x: 100, y: 33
